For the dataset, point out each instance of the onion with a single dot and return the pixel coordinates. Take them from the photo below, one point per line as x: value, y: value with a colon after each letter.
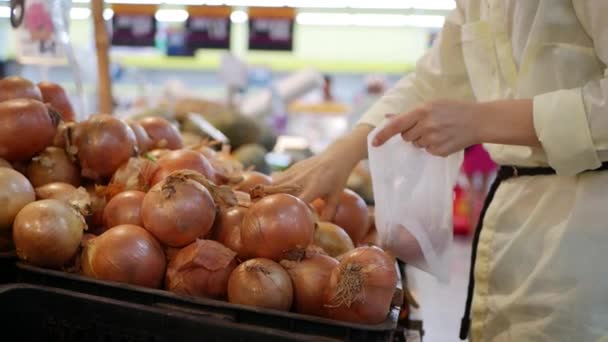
x: 103, y: 144
x: 332, y: 239
x: 15, y: 87
x: 227, y: 228
x: 53, y: 165
x: 183, y: 160
x: 262, y: 283
x: 64, y: 131
x: 144, y: 143
x: 126, y: 254
x: 55, y: 95
x: 26, y: 128
x: 352, y: 214
x: 4, y: 163
x: 59, y: 191
x: 47, y: 233
x: 361, y: 288
x: 135, y: 174
x: 310, y: 278
x: 277, y: 227
x: 157, y: 153
x: 162, y: 133
x: 124, y: 208
x: 95, y: 215
x: 178, y: 210
x: 252, y: 179
x: 15, y: 193
x: 201, y: 269
x: 371, y: 239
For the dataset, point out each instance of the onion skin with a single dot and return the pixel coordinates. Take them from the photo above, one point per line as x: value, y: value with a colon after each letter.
x: 277, y: 226
x: 251, y: 179
x: 182, y: 160
x: 261, y: 283
x: 361, y: 288
x: 124, y: 208
x: 125, y: 254
x: 201, y: 269
x: 332, y: 239
x: 47, y: 233
x: 55, y: 95
x: 26, y: 128
x: 15, y: 87
x: 162, y: 133
x: 144, y: 143
x: 104, y: 143
x: 352, y: 214
x: 15, y: 193
x: 227, y: 228
x: 53, y: 165
x: 57, y: 190
x: 310, y: 278
x: 178, y: 210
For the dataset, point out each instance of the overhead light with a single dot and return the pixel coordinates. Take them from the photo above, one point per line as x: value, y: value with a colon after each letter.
x: 239, y: 17
x: 369, y: 20
x: 80, y: 13
x: 171, y: 15
x: 108, y: 13
x: 5, y: 12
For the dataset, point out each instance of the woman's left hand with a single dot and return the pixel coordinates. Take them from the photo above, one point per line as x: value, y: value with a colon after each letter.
x: 440, y: 127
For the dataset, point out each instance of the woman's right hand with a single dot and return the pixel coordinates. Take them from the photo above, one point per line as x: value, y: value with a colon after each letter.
x: 325, y: 175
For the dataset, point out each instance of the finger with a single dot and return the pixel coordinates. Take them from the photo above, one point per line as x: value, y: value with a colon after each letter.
x: 331, y: 205
x: 309, y: 194
x: 398, y: 124
x: 413, y: 133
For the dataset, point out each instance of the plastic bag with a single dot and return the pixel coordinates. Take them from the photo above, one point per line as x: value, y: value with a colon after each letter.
x: 413, y: 194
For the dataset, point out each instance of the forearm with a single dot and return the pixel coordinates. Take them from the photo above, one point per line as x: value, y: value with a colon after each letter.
x: 352, y: 147
x: 508, y: 122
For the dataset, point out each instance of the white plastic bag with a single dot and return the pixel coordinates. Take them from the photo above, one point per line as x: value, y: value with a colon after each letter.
x: 413, y: 193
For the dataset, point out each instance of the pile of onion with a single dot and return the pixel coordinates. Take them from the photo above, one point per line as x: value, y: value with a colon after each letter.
x: 262, y: 283
x: 201, y: 269
x: 55, y: 96
x: 135, y: 174
x: 162, y: 133
x: 310, y: 277
x: 47, y: 233
x: 361, y: 288
x: 179, y: 209
x: 124, y: 208
x: 15, y: 193
x: 277, y: 227
x: 227, y: 228
x: 332, y: 239
x: 15, y: 87
x: 53, y: 165
x: 103, y: 143
x: 144, y: 142
x: 26, y: 128
x: 251, y: 179
x: 126, y: 254
x: 352, y: 214
x: 183, y: 160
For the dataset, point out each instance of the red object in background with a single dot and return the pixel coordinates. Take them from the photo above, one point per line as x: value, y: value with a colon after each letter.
x: 462, y: 211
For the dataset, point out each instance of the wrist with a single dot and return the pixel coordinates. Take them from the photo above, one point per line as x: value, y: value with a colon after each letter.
x: 352, y: 147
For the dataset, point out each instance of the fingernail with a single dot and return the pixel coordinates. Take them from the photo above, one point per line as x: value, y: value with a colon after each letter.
x: 389, y: 115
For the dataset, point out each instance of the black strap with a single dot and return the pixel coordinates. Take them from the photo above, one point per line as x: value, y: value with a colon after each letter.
x: 504, y: 173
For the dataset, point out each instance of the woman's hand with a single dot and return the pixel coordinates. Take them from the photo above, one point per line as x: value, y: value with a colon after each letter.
x: 325, y: 175
x: 441, y: 127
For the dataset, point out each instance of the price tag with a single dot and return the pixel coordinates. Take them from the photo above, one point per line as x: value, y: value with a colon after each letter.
x: 208, y: 27
x: 271, y: 28
x: 37, y: 41
x: 133, y: 25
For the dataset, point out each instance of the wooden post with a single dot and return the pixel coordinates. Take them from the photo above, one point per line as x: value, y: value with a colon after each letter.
x: 105, y: 101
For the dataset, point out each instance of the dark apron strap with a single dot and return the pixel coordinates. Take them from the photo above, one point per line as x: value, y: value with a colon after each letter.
x: 504, y: 173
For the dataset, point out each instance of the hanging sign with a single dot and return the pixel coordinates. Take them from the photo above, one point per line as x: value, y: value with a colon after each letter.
x: 37, y: 41
x: 208, y: 27
x: 271, y: 28
x: 133, y: 25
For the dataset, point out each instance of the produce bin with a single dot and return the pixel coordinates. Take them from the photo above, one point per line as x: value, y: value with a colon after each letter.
x: 38, y: 313
x: 314, y: 328
x: 7, y: 267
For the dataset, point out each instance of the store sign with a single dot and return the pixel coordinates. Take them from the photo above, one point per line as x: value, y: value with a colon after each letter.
x: 37, y: 41
x: 133, y: 25
x: 271, y: 28
x: 208, y: 27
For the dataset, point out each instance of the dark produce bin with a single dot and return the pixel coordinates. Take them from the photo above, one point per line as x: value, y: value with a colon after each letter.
x: 315, y: 328
x: 38, y: 313
x: 7, y: 267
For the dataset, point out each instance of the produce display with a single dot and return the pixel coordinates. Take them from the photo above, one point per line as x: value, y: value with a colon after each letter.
x: 130, y: 202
